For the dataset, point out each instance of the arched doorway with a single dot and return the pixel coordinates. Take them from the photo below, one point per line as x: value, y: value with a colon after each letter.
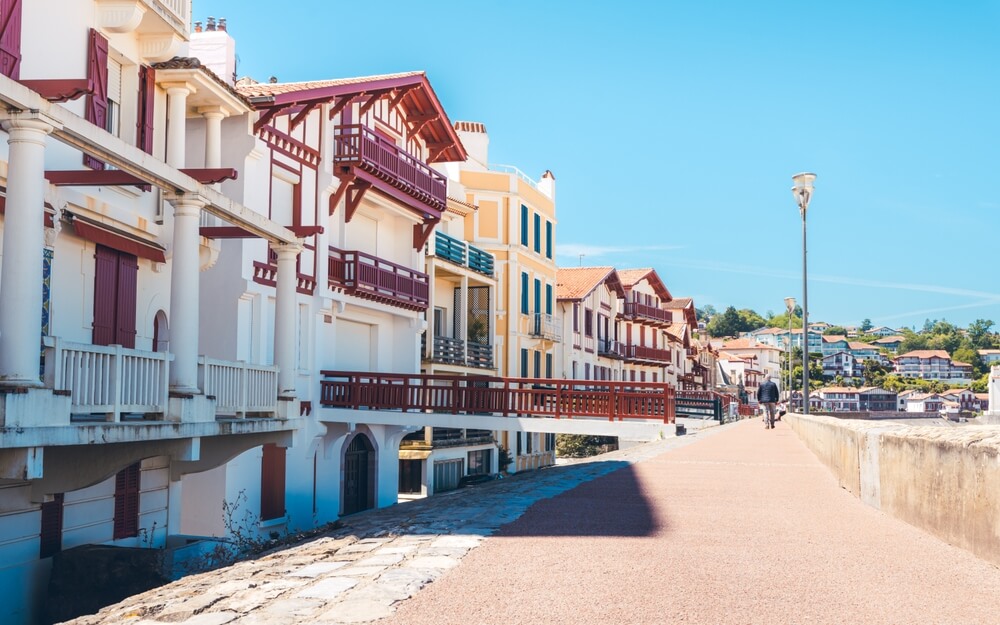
x: 359, y: 476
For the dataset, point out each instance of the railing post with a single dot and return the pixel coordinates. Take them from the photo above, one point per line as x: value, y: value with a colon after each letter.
x: 406, y: 394
x: 454, y: 396
x: 244, y: 390
x: 613, y: 405
x: 116, y: 384
x: 559, y: 388
x: 506, y: 398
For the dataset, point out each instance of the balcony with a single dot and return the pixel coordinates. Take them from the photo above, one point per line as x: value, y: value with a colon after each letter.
x: 449, y: 351
x: 643, y: 354
x: 115, y: 384
x: 610, y: 348
x: 546, y: 327
x: 462, y: 254
x: 362, y: 152
x: 162, y: 24
x: 643, y: 312
x: 370, y: 277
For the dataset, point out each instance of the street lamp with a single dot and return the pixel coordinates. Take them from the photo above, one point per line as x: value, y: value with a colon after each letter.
x: 790, y: 307
x: 802, y: 191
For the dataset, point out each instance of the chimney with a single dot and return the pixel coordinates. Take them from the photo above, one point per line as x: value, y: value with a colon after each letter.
x: 476, y: 142
x: 547, y: 185
x: 215, y: 48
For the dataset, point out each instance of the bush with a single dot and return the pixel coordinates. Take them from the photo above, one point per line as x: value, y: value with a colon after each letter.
x: 582, y: 446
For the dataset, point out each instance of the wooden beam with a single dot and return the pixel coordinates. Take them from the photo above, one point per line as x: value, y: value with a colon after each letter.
x: 375, y: 97
x: 422, y: 232
x: 354, y: 195
x: 298, y: 119
x: 235, y: 232
x: 345, y: 182
x: 265, y: 118
x: 435, y: 149
x: 399, y: 95
x: 415, y: 128
x: 341, y: 103
x: 117, y: 177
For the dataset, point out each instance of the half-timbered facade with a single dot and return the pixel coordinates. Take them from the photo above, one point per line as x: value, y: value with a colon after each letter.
x: 648, y: 353
x: 589, y: 301
x: 107, y: 396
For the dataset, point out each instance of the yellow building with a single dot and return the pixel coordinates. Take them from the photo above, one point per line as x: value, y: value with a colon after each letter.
x: 516, y: 222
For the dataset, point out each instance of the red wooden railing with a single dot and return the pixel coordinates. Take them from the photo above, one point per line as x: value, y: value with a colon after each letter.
x: 635, y: 309
x: 373, y: 278
x: 641, y: 352
x: 266, y: 274
x: 360, y: 146
x: 516, y: 397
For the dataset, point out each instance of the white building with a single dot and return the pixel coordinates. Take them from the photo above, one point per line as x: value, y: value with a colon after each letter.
x: 589, y: 301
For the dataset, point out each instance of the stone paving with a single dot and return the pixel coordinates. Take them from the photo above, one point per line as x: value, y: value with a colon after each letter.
x: 360, y: 572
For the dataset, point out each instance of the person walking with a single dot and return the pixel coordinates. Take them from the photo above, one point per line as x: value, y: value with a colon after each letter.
x: 767, y: 396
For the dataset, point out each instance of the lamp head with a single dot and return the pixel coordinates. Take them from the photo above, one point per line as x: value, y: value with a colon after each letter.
x: 802, y: 189
x: 790, y: 304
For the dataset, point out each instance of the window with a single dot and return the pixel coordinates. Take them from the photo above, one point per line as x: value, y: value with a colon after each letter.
x: 524, y: 225
x: 588, y: 322
x: 548, y: 365
x: 113, y: 120
x: 50, y: 533
x: 272, y: 482
x: 538, y: 363
x: 586, y: 371
x: 576, y: 318
x: 96, y: 111
x: 480, y: 462
x: 538, y: 233
x: 114, y: 297
x: 548, y: 299
x: 524, y: 293
x: 548, y: 239
x: 126, y: 522
x: 524, y: 363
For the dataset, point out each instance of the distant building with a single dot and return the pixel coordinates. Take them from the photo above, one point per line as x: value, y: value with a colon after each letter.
x: 931, y: 364
x: 990, y: 356
x: 892, y: 343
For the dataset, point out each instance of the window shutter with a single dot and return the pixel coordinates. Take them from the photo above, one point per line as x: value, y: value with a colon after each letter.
x: 105, y: 285
x: 548, y: 239
x: 128, y: 270
x: 50, y: 534
x: 146, y: 117
x: 97, y: 102
x: 10, y: 38
x: 127, y: 501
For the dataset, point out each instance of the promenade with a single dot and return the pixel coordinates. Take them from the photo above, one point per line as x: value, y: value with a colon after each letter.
x: 733, y: 524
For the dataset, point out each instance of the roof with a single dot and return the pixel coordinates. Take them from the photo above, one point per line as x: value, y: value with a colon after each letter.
x: 680, y: 332
x: 770, y: 331
x: 412, y: 91
x: 859, y: 345
x: 190, y: 62
x: 840, y: 389
x: 984, y: 352
x: 680, y: 302
x: 925, y: 353
x: 746, y: 343
x: 631, y: 277
x: 685, y: 305
x: 834, y: 338
x: 889, y: 339
x: 576, y: 283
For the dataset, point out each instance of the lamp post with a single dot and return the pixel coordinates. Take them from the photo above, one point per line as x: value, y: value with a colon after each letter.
x: 802, y: 191
x: 790, y: 307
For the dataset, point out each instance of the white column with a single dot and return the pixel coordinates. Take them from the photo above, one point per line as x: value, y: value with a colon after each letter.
x: 184, y: 294
x: 285, y: 345
x: 177, y: 123
x: 213, y: 136
x: 23, y: 239
x: 463, y: 318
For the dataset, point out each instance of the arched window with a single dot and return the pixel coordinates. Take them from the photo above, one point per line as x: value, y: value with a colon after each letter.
x: 161, y: 332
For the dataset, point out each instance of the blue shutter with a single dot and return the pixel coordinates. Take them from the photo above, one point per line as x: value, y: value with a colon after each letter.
x: 538, y: 233
x: 548, y: 299
x: 538, y: 364
x: 548, y: 239
x: 538, y: 295
x: 524, y: 225
x: 524, y: 363
x: 524, y: 293
x: 548, y: 365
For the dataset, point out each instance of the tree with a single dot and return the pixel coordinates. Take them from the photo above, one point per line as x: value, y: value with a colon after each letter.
x: 979, y: 334
x: 732, y: 322
x: 705, y: 313
x: 874, y: 372
x: 750, y: 320
x: 866, y: 325
x: 781, y: 321
x: 835, y: 331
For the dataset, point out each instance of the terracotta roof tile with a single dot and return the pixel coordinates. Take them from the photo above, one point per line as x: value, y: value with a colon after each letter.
x: 680, y: 302
x: 746, y: 343
x: 260, y: 89
x: 574, y: 283
x: 925, y: 353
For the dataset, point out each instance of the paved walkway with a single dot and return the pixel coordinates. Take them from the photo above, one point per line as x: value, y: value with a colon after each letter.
x: 732, y: 525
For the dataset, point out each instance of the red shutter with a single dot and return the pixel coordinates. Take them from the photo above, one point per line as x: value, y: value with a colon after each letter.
x: 147, y: 98
x: 272, y: 482
x: 10, y: 38
x: 128, y: 269
x: 105, y: 287
x: 97, y: 102
x: 50, y: 534
x: 127, y: 501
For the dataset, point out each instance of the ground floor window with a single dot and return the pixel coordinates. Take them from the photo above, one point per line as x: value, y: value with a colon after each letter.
x: 447, y: 474
x: 480, y: 462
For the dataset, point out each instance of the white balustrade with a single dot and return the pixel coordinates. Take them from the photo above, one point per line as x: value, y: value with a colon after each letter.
x: 108, y: 380
x: 238, y: 387
x: 180, y: 9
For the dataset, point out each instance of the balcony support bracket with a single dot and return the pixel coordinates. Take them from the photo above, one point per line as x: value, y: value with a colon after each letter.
x: 422, y: 232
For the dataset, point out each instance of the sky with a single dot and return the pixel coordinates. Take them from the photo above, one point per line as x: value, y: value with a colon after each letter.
x: 673, y: 130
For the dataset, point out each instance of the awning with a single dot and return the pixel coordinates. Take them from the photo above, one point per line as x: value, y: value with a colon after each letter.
x: 109, y: 236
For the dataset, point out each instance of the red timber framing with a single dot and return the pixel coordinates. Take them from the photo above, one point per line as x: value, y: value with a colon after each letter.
x: 118, y: 178
x: 508, y: 397
x: 376, y: 279
x: 291, y: 147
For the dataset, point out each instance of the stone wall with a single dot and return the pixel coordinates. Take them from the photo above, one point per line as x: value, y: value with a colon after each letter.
x: 943, y: 480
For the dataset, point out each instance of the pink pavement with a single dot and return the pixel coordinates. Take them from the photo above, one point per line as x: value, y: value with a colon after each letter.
x: 744, y: 526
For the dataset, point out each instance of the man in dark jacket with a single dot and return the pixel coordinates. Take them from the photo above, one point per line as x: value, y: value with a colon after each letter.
x: 767, y: 396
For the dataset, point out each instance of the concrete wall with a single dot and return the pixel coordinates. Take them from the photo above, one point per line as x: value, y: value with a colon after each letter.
x: 943, y: 480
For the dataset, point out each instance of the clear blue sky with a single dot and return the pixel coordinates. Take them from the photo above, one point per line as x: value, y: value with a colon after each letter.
x: 673, y: 129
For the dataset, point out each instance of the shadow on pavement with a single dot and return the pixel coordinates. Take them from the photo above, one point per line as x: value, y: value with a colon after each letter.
x: 612, y: 505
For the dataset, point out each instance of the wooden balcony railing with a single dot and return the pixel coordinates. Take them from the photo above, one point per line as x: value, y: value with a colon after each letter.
x: 642, y: 311
x: 461, y: 253
x: 642, y: 353
x: 508, y: 397
x: 373, y: 278
x: 359, y: 146
x: 267, y: 274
